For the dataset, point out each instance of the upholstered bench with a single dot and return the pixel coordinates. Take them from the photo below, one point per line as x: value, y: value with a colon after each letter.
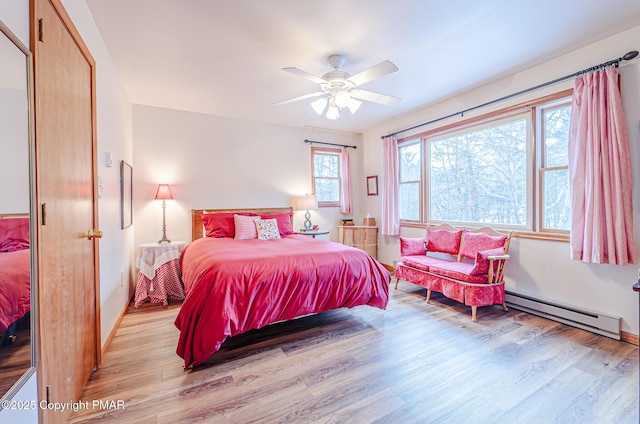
x: 466, y: 265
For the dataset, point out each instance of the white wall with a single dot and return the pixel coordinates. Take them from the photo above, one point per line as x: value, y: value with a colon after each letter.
x: 543, y: 268
x: 114, y: 124
x: 214, y: 162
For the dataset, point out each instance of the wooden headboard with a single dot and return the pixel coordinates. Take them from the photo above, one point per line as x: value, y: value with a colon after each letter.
x: 197, y: 229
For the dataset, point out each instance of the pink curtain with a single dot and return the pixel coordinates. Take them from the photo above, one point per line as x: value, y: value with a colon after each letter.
x: 600, y: 173
x: 390, y: 187
x: 345, y: 182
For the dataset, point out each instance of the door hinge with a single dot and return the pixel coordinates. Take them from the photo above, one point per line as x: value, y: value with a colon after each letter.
x: 40, y: 31
x: 43, y: 214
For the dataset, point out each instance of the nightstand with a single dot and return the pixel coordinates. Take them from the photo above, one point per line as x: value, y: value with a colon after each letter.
x: 159, y: 278
x: 312, y: 233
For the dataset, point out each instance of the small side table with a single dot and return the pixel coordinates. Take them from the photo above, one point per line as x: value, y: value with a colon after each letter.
x: 312, y: 233
x: 159, y: 277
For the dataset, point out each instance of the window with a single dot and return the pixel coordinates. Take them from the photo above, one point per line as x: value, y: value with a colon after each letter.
x: 409, y: 156
x: 326, y: 176
x: 554, y: 168
x: 480, y: 172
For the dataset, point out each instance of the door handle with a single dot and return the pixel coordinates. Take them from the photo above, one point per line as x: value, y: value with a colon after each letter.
x: 94, y: 234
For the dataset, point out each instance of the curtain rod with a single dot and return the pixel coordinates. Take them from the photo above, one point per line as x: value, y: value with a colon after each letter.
x: 329, y: 144
x: 628, y: 56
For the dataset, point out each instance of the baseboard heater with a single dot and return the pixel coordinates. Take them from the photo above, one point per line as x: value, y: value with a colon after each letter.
x: 593, y: 321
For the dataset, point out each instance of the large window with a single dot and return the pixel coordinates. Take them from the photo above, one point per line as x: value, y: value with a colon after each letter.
x: 483, y: 172
x: 326, y: 176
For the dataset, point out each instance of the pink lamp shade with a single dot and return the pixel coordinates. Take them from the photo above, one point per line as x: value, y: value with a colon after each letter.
x: 163, y: 193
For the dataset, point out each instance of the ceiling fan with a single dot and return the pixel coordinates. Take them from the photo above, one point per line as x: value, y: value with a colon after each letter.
x: 340, y: 89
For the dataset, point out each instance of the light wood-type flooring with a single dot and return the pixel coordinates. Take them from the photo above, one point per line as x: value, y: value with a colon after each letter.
x: 413, y: 363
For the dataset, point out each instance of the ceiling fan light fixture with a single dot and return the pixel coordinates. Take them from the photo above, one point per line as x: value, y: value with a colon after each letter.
x: 342, y: 99
x: 319, y: 105
x: 353, y: 105
x: 333, y: 112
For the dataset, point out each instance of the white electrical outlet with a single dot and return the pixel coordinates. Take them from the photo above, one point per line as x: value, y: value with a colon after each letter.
x: 122, y: 278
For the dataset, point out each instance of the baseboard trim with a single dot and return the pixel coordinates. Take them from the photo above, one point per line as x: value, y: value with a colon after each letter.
x: 107, y: 343
x: 629, y: 338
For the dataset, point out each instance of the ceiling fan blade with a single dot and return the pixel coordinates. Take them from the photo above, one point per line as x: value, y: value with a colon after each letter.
x: 374, y: 97
x: 305, y: 74
x: 295, y: 99
x: 375, y: 72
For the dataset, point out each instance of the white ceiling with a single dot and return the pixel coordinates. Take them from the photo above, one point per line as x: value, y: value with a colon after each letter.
x: 225, y: 57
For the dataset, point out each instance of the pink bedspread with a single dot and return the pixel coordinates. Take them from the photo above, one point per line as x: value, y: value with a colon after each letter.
x: 15, y: 287
x: 234, y: 286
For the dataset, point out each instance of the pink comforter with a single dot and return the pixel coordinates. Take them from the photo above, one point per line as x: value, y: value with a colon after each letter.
x: 234, y: 286
x: 15, y: 286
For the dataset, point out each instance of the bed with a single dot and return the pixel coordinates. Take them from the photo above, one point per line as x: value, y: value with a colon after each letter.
x: 233, y: 286
x: 15, y: 274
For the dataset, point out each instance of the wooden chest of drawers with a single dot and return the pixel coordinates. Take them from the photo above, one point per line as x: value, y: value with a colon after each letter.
x: 363, y: 237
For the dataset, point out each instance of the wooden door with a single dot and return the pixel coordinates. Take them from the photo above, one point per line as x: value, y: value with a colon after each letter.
x: 66, y: 164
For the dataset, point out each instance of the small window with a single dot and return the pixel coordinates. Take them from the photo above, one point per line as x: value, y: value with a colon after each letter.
x: 555, y: 210
x: 326, y: 176
x: 409, y: 157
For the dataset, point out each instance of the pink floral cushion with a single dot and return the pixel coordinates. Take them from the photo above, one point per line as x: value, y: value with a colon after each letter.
x: 245, y: 227
x: 14, y: 234
x: 445, y: 241
x: 412, y: 246
x: 481, y: 265
x: 473, y: 243
x: 284, y: 222
x: 267, y: 229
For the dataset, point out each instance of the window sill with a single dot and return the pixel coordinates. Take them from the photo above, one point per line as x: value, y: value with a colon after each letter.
x: 519, y: 234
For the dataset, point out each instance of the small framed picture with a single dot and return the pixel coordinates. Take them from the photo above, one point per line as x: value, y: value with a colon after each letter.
x: 372, y: 185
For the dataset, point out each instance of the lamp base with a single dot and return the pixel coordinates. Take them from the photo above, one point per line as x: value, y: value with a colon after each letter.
x: 307, y: 221
x: 164, y: 240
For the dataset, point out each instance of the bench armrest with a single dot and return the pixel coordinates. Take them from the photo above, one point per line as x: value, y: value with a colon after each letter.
x: 498, y: 257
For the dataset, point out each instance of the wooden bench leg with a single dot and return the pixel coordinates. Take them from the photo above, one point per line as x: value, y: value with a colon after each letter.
x: 474, y: 312
x: 397, y: 281
x: 504, y: 306
x: 428, y: 295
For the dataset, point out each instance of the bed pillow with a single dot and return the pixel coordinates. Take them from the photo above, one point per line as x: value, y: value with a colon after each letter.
x: 245, y: 227
x: 267, y: 229
x: 220, y: 224
x: 481, y: 265
x: 473, y: 243
x: 284, y: 222
x: 444, y: 241
x: 14, y: 234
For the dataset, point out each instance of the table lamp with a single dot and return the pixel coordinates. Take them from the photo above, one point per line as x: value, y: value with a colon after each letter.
x: 164, y: 194
x: 310, y: 201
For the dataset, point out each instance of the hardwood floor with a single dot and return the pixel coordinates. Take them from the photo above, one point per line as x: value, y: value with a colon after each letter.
x: 413, y: 363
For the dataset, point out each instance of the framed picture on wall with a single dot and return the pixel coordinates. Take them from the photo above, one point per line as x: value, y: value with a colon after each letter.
x: 126, y: 194
x: 372, y: 185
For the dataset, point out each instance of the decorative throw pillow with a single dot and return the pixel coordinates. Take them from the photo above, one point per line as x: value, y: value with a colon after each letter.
x: 267, y: 229
x: 284, y: 222
x: 473, y: 243
x: 482, y: 260
x: 245, y: 227
x: 220, y: 224
x: 412, y: 246
x: 445, y: 241
x: 14, y: 234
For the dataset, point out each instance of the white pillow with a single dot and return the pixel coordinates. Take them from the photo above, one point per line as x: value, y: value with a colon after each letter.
x: 245, y: 228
